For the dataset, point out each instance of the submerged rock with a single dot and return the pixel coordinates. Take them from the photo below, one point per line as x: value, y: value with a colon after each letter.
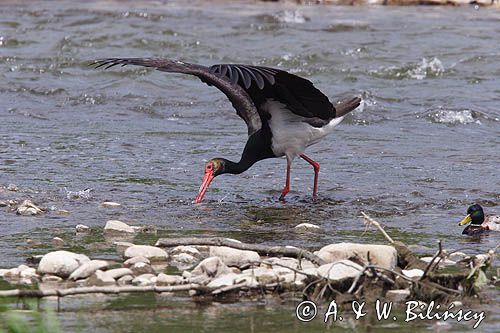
x: 110, y: 204
x: 28, y: 208
x: 12, y: 187
x: 382, y: 255
x: 147, y: 251
x: 61, y: 263
x: 57, y: 242
x: 116, y: 228
x: 233, y: 257
x: 82, y: 229
x: 339, y: 270
x: 307, y: 227
x: 87, y: 269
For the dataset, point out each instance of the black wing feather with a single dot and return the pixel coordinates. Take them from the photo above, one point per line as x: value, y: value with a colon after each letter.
x: 297, y: 93
x: 214, y: 76
x: 249, y: 87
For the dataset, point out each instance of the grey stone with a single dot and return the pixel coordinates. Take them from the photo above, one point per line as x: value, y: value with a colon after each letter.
x: 115, y: 227
x: 263, y: 275
x: 57, y: 242
x: 28, y: 208
x: 144, y: 280
x: 382, y: 255
x: 130, y: 262
x: 100, y: 278
x: 150, y: 252
x: 211, y: 267
x: 141, y: 268
x: 307, y: 227
x: 223, y: 280
x: 82, y: 229
x: 61, y: 263
x: 168, y: 280
x: 445, y: 262
x: 412, y: 273
x: 125, y: 280
x: 117, y: 273
x: 87, y: 269
x: 233, y: 257
x: 51, y: 278
x: 192, y: 251
x: 339, y: 270
x: 110, y: 204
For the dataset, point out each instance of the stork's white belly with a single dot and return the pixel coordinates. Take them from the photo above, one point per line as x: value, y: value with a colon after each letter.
x: 291, y: 135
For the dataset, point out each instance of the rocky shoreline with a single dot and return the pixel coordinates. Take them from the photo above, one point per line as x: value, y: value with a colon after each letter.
x: 211, y: 268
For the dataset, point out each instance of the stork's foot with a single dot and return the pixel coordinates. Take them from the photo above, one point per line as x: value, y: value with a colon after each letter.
x: 284, y: 193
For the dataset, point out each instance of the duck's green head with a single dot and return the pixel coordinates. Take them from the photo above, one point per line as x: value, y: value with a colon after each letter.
x: 475, y: 215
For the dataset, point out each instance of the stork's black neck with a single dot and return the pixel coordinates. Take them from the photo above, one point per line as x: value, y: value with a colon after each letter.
x: 258, y: 147
x: 237, y: 168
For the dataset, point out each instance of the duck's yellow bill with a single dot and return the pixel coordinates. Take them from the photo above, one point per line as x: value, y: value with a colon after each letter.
x: 466, y: 220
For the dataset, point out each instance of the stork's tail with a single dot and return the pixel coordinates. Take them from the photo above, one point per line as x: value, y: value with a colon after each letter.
x: 343, y: 108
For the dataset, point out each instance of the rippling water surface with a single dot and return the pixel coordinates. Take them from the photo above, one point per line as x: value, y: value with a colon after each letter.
x: 421, y: 148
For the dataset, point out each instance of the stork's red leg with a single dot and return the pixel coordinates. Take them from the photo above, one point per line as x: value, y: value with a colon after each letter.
x: 287, y: 184
x: 316, y: 172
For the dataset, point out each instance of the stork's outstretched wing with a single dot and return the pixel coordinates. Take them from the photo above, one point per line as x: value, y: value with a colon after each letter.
x: 242, y: 102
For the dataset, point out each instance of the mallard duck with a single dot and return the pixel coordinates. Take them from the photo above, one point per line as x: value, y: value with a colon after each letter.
x: 478, y: 222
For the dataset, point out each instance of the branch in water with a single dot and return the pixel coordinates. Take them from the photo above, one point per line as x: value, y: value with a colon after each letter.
x: 264, y: 250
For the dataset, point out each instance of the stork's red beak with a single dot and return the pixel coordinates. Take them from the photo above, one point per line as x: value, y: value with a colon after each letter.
x: 207, y: 179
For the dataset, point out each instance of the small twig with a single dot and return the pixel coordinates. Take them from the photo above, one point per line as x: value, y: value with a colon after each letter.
x: 356, y: 280
x: 369, y: 220
x: 438, y: 253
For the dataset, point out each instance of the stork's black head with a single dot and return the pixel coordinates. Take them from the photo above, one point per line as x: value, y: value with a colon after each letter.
x: 214, y: 167
x: 475, y: 215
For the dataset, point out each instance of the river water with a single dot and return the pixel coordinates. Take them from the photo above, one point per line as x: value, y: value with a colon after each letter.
x: 421, y: 148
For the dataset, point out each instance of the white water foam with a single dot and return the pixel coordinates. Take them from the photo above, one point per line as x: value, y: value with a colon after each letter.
x: 452, y: 117
x: 289, y: 16
x: 433, y: 67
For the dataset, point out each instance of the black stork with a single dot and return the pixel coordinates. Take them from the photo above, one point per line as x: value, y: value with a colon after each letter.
x: 284, y: 113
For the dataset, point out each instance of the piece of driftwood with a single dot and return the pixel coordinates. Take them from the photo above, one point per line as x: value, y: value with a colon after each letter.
x: 265, y: 250
x: 35, y: 293
x: 406, y: 257
x: 369, y: 220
